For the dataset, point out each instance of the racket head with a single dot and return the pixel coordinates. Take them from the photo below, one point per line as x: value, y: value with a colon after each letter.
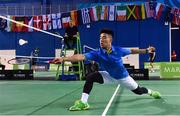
x: 19, y: 61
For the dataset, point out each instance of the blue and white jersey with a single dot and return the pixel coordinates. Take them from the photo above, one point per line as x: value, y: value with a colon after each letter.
x: 112, y: 62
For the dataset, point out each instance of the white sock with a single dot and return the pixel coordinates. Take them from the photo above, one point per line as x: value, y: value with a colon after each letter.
x: 84, y: 97
x: 149, y: 91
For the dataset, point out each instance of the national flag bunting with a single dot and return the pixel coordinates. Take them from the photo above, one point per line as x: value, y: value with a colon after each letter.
x: 9, y: 23
x: 3, y: 24
x: 37, y: 22
x: 30, y: 23
x: 47, y: 24
x: 94, y: 13
x: 150, y: 9
x: 121, y: 13
x: 18, y: 27
x: 132, y: 12
x: 56, y: 21
x: 85, y: 16
x: 66, y: 18
x: 111, y: 13
x: 74, y: 18
x: 104, y: 12
x: 158, y: 10
x: 176, y: 17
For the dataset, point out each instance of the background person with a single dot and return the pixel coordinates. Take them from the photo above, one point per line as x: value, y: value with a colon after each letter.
x: 70, y: 37
x: 34, y: 54
x: 152, y: 55
x: 173, y: 56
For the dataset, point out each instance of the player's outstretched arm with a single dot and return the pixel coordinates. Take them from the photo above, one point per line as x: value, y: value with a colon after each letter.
x: 74, y: 58
x: 142, y: 51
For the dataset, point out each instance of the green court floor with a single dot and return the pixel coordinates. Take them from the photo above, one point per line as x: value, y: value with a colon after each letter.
x: 35, y: 97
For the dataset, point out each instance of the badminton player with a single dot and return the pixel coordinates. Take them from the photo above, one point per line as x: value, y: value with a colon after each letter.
x: 114, y: 72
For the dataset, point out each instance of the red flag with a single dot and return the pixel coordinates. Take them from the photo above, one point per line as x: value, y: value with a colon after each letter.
x: 74, y: 18
x: 16, y: 27
x: 47, y: 22
x: 176, y: 17
x: 37, y: 22
x: 159, y: 9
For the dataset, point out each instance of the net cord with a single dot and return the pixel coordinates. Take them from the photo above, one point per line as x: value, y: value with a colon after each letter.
x: 43, y: 31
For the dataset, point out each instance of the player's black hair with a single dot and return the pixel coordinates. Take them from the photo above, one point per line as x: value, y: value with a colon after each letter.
x: 107, y: 31
x: 36, y: 50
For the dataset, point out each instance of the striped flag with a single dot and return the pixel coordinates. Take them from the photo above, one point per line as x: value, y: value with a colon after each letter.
x: 56, y: 21
x: 9, y: 23
x: 158, y: 10
x: 142, y: 11
x: 47, y: 22
x: 167, y: 14
x: 74, y: 18
x: 150, y: 9
x: 104, y: 13
x: 37, y: 22
x: 111, y: 13
x: 98, y: 12
x: 85, y: 16
x: 121, y: 13
x: 176, y: 17
x: 66, y: 18
x: 30, y: 23
x: 93, y: 13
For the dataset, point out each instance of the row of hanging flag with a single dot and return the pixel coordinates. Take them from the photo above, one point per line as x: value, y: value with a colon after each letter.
x: 93, y: 14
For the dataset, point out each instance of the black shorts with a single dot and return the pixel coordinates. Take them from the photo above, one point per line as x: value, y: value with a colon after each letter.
x: 34, y: 61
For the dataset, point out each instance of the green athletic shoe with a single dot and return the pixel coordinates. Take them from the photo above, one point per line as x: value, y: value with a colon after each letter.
x: 79, y: 105
x: 155, y: 94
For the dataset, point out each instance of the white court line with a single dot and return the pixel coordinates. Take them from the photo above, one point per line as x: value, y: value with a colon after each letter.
x: 110, y: 102
x: 168, y: 95
x: 31, y: 83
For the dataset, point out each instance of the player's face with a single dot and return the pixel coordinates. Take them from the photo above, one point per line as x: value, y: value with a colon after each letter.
x: 105, y: 40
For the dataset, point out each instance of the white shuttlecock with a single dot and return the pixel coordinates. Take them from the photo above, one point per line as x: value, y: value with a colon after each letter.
x: 22, y: 42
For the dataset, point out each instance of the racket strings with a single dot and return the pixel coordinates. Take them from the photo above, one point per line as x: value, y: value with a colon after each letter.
x: 26, y: 60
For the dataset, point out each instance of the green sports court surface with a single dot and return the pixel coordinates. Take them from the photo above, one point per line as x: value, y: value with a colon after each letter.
x: 37, y: 97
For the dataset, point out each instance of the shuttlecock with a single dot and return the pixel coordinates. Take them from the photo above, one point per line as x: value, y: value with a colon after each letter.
x: 22, y: 42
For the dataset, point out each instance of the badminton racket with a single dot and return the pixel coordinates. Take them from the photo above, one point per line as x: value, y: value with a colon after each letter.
x: 21, y: 61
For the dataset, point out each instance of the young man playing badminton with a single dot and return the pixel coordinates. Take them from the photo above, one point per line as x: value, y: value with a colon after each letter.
x: 109, y: 59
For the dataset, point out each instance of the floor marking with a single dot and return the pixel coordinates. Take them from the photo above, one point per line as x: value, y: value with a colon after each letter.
x: 110, y: 102
x: 165, y: 95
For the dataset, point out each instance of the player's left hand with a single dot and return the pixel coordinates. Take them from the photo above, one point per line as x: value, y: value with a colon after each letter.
x: 151, y: 49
